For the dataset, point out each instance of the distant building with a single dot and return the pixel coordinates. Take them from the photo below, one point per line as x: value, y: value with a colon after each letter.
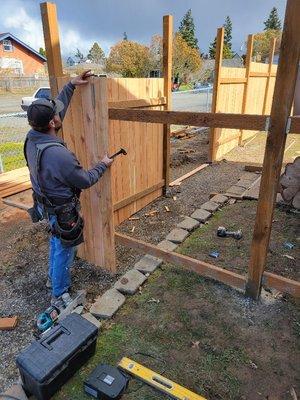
x: 18, y: 57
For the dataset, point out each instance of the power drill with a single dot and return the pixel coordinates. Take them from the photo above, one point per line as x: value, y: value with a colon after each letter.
x: 47, y: 318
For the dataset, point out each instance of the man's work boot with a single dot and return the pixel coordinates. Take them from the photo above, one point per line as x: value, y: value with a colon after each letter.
x: 57, y: 302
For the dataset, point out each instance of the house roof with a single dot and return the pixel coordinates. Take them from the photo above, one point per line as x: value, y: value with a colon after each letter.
x: 6, y: 35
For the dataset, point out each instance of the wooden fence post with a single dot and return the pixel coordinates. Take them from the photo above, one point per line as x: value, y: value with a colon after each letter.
x: 167, y: 73
x: 248, y: 70
x: 51, y: 37
x: 276, y: 138
x: 214, y: 132
x: 271, y: 58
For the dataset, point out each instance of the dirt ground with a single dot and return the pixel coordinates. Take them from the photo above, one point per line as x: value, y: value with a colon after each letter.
x: 24, y: 249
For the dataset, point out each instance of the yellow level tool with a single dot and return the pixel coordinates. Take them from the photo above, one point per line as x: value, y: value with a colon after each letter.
x: 158, y: 381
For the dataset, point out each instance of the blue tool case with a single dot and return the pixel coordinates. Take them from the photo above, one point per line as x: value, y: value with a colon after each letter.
x: 49, y: 362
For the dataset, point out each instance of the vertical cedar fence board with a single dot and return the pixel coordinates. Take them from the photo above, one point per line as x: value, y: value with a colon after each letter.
x: 140, y: 169
x: 86, y: 133
x: 239, y: 93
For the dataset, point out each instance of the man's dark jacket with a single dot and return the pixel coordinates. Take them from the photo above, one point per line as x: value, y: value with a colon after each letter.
x: 60, y: 172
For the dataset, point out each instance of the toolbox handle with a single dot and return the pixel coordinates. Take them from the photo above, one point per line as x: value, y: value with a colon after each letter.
x: 57, y: 332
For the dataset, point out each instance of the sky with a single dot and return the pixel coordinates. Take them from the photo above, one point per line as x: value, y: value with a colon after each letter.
x: 82, y: 22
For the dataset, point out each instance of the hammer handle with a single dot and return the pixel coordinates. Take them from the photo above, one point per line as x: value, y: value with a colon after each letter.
x: 116, y: 154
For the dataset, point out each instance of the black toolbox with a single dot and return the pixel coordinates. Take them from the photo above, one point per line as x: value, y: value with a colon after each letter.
x: 49, y: 362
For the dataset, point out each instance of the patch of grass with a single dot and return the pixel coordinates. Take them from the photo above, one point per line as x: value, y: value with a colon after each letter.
x: 12, y: 155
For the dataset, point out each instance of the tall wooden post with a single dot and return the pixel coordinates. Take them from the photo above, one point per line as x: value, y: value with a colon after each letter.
x: 248, y: 70
x: 271, y: 58
x: 214, y: 132
x: 51, y: 37
x: 167, y: 73
x: 281, y: 108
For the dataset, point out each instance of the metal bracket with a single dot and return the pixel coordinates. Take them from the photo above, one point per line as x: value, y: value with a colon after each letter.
x: 288, y: 125
x: 268, y: 122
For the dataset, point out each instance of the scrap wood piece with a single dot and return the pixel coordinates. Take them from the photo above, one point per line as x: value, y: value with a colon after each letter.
x: 8, y: 323
x: 178, y: 181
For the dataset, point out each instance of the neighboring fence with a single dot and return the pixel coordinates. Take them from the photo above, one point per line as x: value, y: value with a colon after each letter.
x: 246, y: 90
x: 10, y: 84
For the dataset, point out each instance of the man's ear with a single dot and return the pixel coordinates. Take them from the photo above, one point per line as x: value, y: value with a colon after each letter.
x: 52, y: 124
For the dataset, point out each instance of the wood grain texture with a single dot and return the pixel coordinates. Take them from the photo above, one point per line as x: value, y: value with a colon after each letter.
x: 138, y: 103
x: 281, y: 108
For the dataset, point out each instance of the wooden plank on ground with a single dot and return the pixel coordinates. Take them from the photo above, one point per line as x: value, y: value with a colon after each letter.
x: 282, y: 284
x: 8, y: 323
x: 281, y: 108
x: 200, y: 267
x: 212, y: 120
x: 178, y: 181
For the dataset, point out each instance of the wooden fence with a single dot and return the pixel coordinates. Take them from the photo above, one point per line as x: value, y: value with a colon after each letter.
x: 246, y: 90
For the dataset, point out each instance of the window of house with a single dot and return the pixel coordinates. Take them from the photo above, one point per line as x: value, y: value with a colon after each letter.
x: 7, y: 45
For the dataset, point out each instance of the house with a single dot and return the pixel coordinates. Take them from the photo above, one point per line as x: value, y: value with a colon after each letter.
x: 19, y: 57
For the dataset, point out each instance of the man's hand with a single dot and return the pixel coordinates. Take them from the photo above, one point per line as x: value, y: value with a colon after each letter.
x: 82, y: 78
x: 107, y: 161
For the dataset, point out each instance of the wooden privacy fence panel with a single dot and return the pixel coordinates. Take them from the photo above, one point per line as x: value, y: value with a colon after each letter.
x: 135, y: 179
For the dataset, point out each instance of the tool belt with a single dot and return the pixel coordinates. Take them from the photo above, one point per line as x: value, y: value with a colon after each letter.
x: 68, y: 226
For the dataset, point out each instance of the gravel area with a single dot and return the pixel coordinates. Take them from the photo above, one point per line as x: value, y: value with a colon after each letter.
x: 24, y: 249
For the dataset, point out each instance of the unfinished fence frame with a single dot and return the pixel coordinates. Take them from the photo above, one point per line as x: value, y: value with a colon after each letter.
x: 278, y: 124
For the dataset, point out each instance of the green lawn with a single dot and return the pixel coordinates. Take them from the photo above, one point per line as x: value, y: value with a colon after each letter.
x: 12, y: 155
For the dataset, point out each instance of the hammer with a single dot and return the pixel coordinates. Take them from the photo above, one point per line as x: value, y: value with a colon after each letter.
x: 223, y: 232
x: 121, y: 151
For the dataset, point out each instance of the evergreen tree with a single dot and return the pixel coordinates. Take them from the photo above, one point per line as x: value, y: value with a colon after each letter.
x: 96, y: 54
x: 227, y: 32
x: 42, y: 52
x: 187, y: 30
x: 273, y: 22
x: 125, y: 37
x: 79, y: 56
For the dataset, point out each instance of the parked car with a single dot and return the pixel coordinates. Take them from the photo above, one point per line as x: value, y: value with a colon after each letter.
x: 202, y: 86
x: 40, y: 93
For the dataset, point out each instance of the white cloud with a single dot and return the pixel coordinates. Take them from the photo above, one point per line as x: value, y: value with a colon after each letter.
x: 29, y: 29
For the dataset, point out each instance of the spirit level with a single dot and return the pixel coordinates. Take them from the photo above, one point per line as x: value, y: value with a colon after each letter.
x: 157, y: 381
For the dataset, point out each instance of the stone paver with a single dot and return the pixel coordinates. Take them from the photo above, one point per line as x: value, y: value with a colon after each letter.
x: 148, y: 264
x: 235, y: 190
x: 188, y: 224
x: 245, y: 183
x: 201, y: 215
x: 219, y: 198
x: 177, y: 235
x: 167, y: 245
x: 249, y: 176
x: 17, y: 392
x: 210, y: 206
x: 130, y: 282
x: 92, y: 319
x: 108, y: 304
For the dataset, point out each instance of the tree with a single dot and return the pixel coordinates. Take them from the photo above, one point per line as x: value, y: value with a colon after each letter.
x: 273, y: 22
x: 42, y: 52
x: 96, y: 54
x: 187, y: 30
x: 125, y: 37
x: 156, y: 52
x: 227, y: 32
x: 130, y: 59
x: 186, y: 60
x: 79, y: 56
x: 227, y: 52
x: 262, y: 43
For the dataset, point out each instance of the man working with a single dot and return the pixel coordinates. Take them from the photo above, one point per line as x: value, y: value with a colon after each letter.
x: 57, y: 179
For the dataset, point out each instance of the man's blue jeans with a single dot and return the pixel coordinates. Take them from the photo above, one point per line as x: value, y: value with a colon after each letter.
x: 60, y: 261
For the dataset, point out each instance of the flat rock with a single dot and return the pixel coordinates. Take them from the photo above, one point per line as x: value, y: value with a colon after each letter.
x: 201, y: 215
x: 167, y: 245
x: 210, y: 206
x: 244, y: 183
x: 219, y: 199
x: 108, y: 304
x: 177, y: 235
x: 130, y: 282
x: 17, y: 392
x: 92, y: 319
x: 249, y: 176
x: 235, y: 190
x: 148, y: 264
x: 188, y: 224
